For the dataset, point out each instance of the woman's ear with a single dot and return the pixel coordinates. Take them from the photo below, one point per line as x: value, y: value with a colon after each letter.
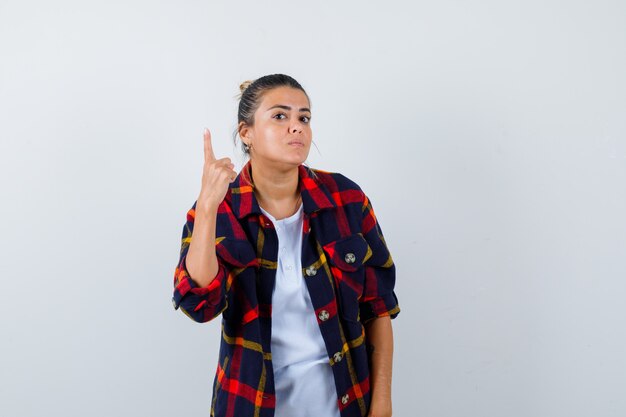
x: 245, y: 133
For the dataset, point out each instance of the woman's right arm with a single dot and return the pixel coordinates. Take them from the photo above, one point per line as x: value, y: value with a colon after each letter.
x: 201, y: 259
x: 199, y: 276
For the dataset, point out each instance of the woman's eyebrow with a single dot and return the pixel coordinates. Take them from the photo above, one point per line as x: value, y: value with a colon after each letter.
x: 282, y: 106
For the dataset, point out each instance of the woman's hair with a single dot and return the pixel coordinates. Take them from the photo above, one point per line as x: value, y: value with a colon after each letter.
x: 252, y: 93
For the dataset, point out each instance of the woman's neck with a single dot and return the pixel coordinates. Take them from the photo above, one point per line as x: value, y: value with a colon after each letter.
x: 277, y: 191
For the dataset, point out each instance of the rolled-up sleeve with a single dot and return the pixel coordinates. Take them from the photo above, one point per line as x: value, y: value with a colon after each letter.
x: 201, y: 304
x: 379, y: 298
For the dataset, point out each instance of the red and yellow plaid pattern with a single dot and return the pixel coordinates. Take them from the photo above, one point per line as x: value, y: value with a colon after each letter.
x: 347, y: 268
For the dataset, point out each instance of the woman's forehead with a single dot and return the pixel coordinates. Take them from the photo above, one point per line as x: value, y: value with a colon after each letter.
x: 285, y: 96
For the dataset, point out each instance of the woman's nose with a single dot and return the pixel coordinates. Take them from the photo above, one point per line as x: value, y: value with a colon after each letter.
x: 296, y: 126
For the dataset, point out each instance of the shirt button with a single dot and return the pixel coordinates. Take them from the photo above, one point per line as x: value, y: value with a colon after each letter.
x: 345, y: 399
x: 323, y: 315
x: 310, y: 271
x: 350, y: 258
x: 289, y: 267
x: 338, y: 357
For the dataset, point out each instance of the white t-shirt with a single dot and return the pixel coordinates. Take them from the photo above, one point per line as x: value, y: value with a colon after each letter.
x: 303, y: 377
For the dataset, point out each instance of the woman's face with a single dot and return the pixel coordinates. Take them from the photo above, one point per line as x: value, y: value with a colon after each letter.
x: 282, y: 131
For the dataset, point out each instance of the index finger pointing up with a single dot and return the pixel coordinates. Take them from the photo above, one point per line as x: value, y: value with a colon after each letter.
x: 208, y: 147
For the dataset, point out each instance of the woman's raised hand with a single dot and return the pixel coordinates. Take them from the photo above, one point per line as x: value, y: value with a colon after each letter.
x: 217, y: 174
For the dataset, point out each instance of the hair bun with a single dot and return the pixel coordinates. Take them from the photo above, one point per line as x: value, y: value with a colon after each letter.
x: 244, y: 85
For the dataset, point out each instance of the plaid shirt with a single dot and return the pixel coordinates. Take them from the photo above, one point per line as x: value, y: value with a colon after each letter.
x: 347, y: 269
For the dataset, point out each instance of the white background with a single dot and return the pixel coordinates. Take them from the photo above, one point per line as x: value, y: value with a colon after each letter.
x: 489, y: 135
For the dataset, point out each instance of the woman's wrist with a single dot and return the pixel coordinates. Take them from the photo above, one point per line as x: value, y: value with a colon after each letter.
x: 380, y: 408
x: 207, y: 208
x: 380, y: 405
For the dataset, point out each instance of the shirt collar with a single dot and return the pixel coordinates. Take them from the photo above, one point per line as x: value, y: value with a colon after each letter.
x: 315, y: 194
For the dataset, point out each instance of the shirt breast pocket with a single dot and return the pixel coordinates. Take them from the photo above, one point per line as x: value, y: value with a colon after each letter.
x: 346, y: 258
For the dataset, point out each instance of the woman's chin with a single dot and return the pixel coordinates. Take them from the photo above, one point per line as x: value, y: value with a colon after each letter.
x: 297, y: 159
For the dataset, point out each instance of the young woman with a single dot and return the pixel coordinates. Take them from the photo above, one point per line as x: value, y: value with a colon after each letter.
x: 295, y: 261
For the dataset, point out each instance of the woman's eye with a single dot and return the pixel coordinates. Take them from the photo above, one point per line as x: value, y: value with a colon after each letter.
x: 305, y: 119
